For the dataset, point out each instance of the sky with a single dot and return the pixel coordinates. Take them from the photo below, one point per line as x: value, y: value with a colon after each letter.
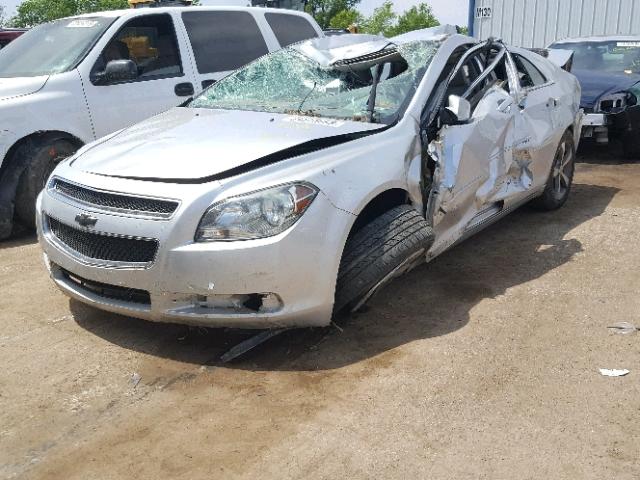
x: 454, y: 12
x: 447, y: 11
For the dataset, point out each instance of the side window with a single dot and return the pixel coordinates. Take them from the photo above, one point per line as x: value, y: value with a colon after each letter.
x: 223, y: 41
x: 463, y: 79
x: 529, y: 75
x: 467, y: 74
x: 148, y: 41
x: 289, y: 28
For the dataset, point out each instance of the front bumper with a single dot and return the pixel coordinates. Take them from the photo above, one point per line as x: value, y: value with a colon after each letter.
x: 602, y: 126
x: 595, y: 125
x: 283, y: 281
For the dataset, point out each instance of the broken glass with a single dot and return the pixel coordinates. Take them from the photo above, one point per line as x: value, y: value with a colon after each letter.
x: 287, y: 81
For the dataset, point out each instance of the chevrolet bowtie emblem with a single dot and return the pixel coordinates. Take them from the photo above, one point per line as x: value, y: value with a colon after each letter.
x: 86, y: 220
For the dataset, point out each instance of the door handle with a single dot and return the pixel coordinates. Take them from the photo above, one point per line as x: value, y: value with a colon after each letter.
x: 184, y: 89
x: 207, y: 83
x: 553, y: 103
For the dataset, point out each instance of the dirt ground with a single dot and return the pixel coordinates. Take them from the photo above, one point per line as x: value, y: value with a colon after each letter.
x: 480, y: 365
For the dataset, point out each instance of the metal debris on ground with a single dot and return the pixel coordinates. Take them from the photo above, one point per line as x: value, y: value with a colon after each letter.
x: 613, y: 372
x: 62, y: 319
x: 135, y: 379
x: 250, y: 343
x: 623, y: 328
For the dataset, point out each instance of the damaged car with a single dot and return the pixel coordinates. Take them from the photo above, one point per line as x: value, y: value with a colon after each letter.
x: 298, y: 186
x: 608, y: 69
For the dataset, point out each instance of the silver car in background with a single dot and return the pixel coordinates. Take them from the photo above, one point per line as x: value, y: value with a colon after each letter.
x: 299, y: 185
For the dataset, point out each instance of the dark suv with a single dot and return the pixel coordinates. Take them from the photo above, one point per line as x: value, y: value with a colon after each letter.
x: 608, y: 69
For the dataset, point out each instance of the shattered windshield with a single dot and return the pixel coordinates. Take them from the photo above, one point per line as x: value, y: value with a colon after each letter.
x: 53, y: 47
x: 289, y: 82
x: 609, y: 56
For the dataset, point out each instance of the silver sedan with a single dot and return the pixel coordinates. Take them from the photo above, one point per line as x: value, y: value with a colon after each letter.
x: 299, y: 185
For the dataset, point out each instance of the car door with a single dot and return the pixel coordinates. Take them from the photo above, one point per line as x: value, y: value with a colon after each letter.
x: 538, y: 104
x: 158, y: 80
x: 223, y: 41
x: 474, y: 171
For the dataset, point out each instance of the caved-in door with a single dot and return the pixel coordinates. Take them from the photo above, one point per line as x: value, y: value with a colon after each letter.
x: 479, y: 168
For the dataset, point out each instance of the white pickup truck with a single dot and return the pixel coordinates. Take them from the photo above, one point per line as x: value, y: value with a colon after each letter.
x: 69, y: 82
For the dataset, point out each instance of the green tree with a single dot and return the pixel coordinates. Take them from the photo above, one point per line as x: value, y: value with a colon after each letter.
x: 1, y: 15
x: 417, y: 17
x: 324, y: 10
x: 35, y: 12
x: 345, y: 18
x: 382, y: 21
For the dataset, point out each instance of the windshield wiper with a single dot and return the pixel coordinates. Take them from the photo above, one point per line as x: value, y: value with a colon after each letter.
x: 315, y: 84
x: 371, y: 103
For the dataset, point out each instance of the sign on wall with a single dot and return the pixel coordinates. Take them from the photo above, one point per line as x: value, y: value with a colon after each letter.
x: 483, y: 12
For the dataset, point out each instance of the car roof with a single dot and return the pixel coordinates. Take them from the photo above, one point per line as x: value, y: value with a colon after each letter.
x: 334, y: 49
x: 425, y: 34
x: 131, y: 12
x: 330, y: 48
x: 601, y: 38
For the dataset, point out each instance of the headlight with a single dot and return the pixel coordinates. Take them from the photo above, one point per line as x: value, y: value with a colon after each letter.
x: 256, y: 215
x: 616, y: 102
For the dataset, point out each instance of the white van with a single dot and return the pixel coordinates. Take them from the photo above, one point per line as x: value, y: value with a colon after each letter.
x: 74, y: 80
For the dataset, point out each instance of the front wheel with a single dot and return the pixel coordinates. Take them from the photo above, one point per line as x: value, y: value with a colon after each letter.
x: 631, y: 146
x: 383, y: 249
x: 42, y: 159
x: 560, y: 179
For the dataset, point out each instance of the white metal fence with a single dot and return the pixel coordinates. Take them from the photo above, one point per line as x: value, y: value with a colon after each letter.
x: 537, y: 23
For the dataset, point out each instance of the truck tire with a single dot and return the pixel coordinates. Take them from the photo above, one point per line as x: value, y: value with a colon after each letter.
x: 43, y: 158
x: 383, y: 249
x: 631, y: 146
x: 560, y: 179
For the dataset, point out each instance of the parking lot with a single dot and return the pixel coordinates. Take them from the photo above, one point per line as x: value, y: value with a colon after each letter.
x: 482, y: 364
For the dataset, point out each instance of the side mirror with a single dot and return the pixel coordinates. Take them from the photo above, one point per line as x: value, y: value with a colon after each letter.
x: 523, y: 102
x: 120, y: 71
x: 458, y: 111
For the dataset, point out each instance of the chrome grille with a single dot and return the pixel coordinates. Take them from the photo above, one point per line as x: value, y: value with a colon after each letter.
x: 102, y: 246
x: 115, y: 201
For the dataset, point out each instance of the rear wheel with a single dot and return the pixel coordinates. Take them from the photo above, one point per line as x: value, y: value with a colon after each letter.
x: 383, y: 249
x: 558, y: 186
x: 43, y: 158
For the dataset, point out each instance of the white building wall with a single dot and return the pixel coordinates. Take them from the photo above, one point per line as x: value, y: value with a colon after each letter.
x: 537, y: 23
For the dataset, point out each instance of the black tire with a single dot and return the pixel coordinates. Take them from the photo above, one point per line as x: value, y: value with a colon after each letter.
x: 631, y: 146
x: 42, y: 159
x: 381, y: 250
x: 560, y: 179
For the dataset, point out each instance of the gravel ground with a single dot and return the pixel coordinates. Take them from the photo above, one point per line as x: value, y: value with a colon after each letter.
x: 482, y: 364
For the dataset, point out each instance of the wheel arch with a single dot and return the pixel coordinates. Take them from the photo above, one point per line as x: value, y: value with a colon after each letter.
x: 12, y: 167
x: 377, y: 205
x: 36, y: 138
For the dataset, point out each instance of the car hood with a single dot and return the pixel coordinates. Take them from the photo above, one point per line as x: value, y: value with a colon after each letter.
x: 596, y: 84
x: 188, y: 144
x: 15, y: 87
